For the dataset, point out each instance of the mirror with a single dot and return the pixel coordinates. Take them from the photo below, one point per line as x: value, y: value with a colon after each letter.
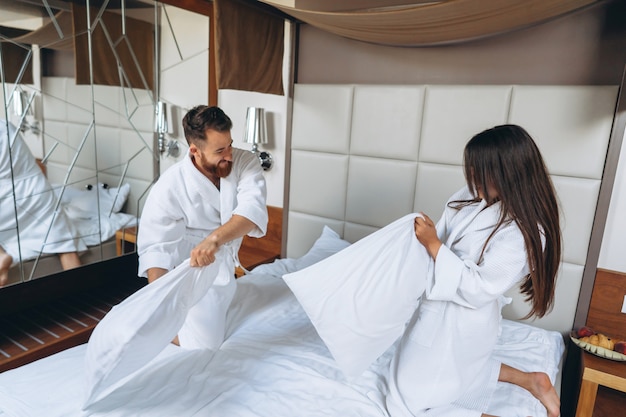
x: 82, y: 92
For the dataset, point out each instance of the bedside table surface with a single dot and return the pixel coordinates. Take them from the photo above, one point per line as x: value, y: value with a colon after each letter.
x: 597, y: 372
x: 604, y: 371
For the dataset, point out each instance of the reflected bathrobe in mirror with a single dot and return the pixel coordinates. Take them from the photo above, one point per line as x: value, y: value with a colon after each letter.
x: 43, y: 224
x: 183, y: 208
x: 452, y: 306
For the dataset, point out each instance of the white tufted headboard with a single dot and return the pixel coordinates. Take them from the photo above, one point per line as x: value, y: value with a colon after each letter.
x: 365, y: 155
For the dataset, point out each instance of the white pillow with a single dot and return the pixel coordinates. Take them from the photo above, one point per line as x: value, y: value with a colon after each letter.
x: 328, y: 243
x: 84, y: 203
x: 360, y: 299
x: 139, y: 328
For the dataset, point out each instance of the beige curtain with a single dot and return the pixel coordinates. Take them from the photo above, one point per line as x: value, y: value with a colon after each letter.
x: 440, y: 22
x: 249, y: 48
x: 13, y: 56
x: 132, y: 54
x: 129, y: 62
x: 48, y: 35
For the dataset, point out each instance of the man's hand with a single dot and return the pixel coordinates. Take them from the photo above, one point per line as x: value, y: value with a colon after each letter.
x: 426, y: 233
x: 204, y: 253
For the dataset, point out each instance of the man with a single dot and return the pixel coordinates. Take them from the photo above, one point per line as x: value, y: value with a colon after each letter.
x: 210, y: 199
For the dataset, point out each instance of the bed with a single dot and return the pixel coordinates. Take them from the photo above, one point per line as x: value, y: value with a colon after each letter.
x: 272, y: 363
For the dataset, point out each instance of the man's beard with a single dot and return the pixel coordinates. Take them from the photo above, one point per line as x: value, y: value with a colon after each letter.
x: 221, y: 170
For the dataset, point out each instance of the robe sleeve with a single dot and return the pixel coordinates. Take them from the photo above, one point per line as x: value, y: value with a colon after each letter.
x: 252, y: 194
x: 161, y: 229
x: 462, y: 281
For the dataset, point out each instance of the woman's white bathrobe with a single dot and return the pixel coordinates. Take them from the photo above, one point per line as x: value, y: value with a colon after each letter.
x: 182, y: 209
x: 442, y: 366
x: 443, y: 315
x: 43, y: 225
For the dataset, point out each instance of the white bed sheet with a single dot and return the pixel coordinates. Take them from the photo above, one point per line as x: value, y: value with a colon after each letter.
x: 272, y: 364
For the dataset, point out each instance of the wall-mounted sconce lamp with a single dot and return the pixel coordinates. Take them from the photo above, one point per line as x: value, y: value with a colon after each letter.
x: 256, y: 133
x: 161, y: 127
x: 18, y: 103
x: 23, y: 108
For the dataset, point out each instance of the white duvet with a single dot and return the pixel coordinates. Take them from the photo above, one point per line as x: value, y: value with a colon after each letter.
x: 272, y: 363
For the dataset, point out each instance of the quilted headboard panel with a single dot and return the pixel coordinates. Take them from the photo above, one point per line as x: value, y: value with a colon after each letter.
x: 365, y: 155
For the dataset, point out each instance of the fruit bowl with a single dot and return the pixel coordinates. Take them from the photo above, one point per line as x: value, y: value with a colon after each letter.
x: 597, y: 350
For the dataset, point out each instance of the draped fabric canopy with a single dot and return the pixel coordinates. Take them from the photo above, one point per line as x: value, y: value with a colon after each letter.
x: 438, y: 22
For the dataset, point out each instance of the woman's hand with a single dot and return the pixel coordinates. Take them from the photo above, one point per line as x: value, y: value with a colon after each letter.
x: 426, y: 233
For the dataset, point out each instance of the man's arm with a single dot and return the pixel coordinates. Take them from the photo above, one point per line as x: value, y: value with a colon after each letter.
x: 204, y: 253
x: 155, y: 273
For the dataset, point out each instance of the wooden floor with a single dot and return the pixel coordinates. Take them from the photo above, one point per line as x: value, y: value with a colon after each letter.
x: 57, y: 325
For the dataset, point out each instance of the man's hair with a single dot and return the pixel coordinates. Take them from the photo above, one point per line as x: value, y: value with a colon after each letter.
x: 202, y: 118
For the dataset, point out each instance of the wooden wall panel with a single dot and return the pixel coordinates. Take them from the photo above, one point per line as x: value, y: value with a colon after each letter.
x: 606, y: 303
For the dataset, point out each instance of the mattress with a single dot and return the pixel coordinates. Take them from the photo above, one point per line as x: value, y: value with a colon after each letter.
x: 272, y: 363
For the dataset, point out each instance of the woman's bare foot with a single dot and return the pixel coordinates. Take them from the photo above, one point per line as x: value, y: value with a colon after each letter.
x: 537, y: 383
x: 542, y: 389
x: 5, y: 263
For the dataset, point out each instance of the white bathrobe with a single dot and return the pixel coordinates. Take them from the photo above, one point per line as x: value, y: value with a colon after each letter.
x: 43, y: 225
x: 182, y: 209
x: 442, y: 366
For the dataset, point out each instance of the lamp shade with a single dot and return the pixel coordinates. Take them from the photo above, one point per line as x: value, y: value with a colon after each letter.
x: 255, y: 130
x: 160, y: 120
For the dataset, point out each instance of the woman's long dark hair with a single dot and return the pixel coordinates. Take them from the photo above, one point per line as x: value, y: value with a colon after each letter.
x: 506, y: 159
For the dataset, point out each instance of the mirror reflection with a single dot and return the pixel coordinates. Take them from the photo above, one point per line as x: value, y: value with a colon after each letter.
x: 80, y: 144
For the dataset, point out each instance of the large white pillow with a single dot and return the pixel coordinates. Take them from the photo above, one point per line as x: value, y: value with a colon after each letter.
x: 360, y: 299
x: 139, y: 328
x: 328, y: 243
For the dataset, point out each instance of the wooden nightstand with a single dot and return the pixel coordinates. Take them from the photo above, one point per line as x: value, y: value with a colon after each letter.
x: 251, y: 255
x: 123, y: 237
x: 598, y: 372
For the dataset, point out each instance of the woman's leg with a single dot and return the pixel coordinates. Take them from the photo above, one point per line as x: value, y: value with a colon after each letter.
x: 69, y: 260
x: 537, y: 383
x: 5, y: 263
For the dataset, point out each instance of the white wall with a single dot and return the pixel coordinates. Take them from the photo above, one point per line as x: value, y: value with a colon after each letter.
x: 235, y: 104
x: 118, y: 137
x: 184, y: 63
x: 582, y: 48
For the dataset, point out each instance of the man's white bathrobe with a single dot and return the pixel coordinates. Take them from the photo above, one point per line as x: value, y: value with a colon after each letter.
x: 182, y: 209
x: 442, y: 366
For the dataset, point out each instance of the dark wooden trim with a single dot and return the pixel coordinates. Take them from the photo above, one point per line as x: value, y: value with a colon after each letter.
x: 602, y: 208
x: 256, y: 251
x: 39, y: 291
x: 204, y: 7
x: 213, y: 98
x: 53, y: 313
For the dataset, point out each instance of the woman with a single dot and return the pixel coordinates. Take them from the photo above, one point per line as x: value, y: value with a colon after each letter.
x: 26, y: 191
x: 500, y: 231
